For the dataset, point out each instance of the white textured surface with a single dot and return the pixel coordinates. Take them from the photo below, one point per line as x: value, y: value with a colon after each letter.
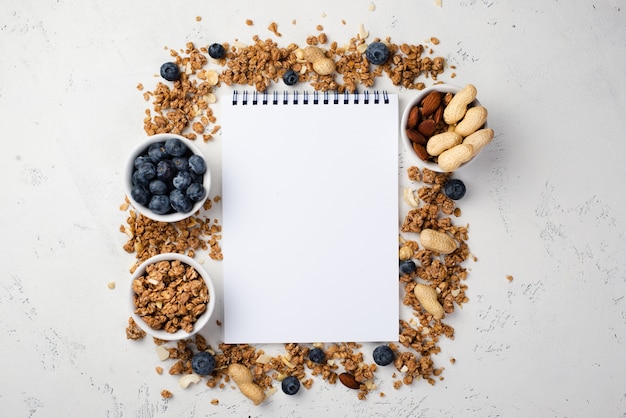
x: 544, y: 205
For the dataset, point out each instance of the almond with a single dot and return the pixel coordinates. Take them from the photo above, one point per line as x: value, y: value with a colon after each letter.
x: 431, y: 102
x: 438, y: 116
x: 415, y: 136
x: 349, y: 381
x: 427, y: 127
x: 414, y: 117
x: 421, y: 152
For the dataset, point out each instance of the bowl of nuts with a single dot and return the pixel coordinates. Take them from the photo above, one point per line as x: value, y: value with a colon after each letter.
x: 444, y: 127
x: 171, y: 296
x: 167, y: 178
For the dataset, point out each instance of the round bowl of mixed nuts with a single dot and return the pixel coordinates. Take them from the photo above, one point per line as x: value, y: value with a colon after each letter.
x: 444, y: 127
x: 171, y: 296
x: 167, y: 178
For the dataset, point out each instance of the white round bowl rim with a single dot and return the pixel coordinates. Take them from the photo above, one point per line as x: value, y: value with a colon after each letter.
x: 130, y: 165
x: 202, y: 320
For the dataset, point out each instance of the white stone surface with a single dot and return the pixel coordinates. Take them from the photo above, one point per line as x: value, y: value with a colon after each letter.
x: 544, y: 205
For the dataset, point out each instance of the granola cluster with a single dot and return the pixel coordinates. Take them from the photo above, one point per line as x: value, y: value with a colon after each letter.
x: 170, y: 296
x: 147, y: 238
x: 184, y: 107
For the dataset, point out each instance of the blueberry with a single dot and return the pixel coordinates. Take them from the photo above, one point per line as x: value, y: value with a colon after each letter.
x: 196, y: 178
x: 165, y: 170
x: 197, y: 164
x: 140, y: 194
x: 182, y: 180
x: 138, y: 179
x: 159, y: 204
x: 196, y: 192
x: 170, y: 71
x: 175, y: 147
x: 156, y: 152
x: 317, y: 355
x: 290, y: 77
x: 203, y: 363
x: 383, y: 355
x: 407, y: 267
x: 146, y: 171
x: 377, y: 53
x: 143, y: 158
x: 158, y: 187
x: 180, y: 202
x: 454, y: 189
x: 181, y: 163
x: 290, y: 385
x: 217, y: 51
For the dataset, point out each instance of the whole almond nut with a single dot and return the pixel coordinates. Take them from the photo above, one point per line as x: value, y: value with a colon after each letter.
x: 414, y: 117
x: 438, y: 115
x: 430, y: 103
x: 415, y: 136
x: 349, y: 381
x: 420, y: 150
x: 427, y: 127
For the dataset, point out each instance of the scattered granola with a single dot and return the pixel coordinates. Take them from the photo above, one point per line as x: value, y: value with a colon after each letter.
x: 184, y: 107
x: 147, y: 238
x: 273, y: 27
x: 133, y: 332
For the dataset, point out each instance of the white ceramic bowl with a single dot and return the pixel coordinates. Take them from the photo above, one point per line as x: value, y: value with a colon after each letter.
x: 408, y: 145
x: 202, y: 320
x: 141, y: 148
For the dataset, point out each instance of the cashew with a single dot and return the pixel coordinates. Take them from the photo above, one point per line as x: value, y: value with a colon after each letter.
x: 427, y: 297
x: 321, y: 64
x: 455, y: 110
x: 439, y: 242
x: 443, y: 141
x: 479, y: 139
x: 242, y: 376
x: 162, y: 352
x: 474, y: 118
x: 451, y: 159
x: 188, y: 379
x: 409, y: 197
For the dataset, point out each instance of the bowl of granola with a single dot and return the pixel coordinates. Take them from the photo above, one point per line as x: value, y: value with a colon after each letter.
x: 167, y: 178
x: 171, y: 296
x: 444, y: 127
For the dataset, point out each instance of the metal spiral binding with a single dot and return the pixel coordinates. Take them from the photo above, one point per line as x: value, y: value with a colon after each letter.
x: 303, y: 97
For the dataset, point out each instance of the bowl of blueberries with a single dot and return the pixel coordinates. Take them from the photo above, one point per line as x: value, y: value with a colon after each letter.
x: 167, y: 178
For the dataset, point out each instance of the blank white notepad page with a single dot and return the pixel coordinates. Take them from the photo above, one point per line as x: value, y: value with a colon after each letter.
x: 310, y: 219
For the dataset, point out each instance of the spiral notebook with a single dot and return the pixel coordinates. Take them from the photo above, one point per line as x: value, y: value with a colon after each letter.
x: 310, y: 217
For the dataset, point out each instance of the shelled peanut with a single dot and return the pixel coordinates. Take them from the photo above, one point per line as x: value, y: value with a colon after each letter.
x: 445, y: 128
